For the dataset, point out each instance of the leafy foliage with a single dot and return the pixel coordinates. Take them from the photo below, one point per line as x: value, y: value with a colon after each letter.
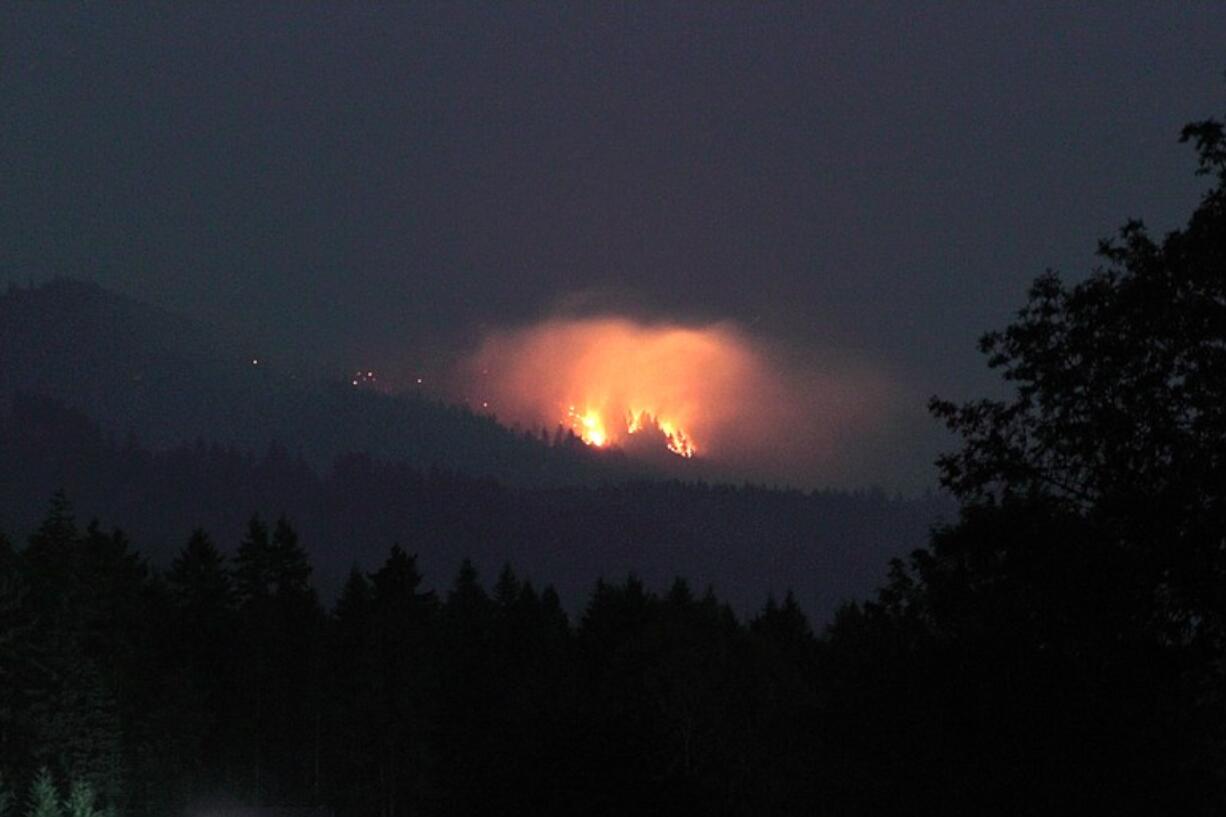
x: 1060, y: 647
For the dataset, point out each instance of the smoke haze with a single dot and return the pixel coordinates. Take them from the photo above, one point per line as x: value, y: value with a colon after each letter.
x: 741, y: 404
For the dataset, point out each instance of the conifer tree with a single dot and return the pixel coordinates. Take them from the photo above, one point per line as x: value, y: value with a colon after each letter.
x: 401, y: 617
x: 57, y: 534
x: 282, y: 626
x: 44, y: 799
x: 291, y: 571
x: 14, y: 642
x: 353, y: 713
x: 506, y: 589
x: 80, y: 802
x: 50, y: 561
x: 6, y: 799
x: 87, y: 735
x: 198, y: 578
x: 253, y: 563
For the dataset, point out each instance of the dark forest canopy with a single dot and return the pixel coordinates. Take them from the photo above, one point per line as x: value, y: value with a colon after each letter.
x: 745, y: 540
x: 225, y: 680
x: 159, y: 377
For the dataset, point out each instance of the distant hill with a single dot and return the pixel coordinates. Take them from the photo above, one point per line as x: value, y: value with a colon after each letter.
x: 745, y: 541
x: 144, y: 372
x: 152, y: 423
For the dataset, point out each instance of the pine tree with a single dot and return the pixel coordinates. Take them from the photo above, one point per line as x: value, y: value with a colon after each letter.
x: 85, y: 731
x: 401, y: 615
x: 198, y: 578
x: 57, y: 534
x: 353, y: 710
x: 290, y: 568
x: 51, y: 560
x: 253, y: 564
x: 282, y: 628
x: 14, y: 642
x: 80, y: 801
x: 44, y: 799
x: 467, y: 596
x: 506, y: 589
x: 6, y: 799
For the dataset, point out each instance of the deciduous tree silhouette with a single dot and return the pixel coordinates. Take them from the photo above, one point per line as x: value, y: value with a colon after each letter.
x: 1057, y: 648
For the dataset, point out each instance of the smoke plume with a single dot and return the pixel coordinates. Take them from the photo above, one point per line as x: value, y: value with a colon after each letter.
x: 756, y: 409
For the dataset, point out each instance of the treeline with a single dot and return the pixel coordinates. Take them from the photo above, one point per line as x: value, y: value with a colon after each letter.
x: 1006, y: 669
x: 745, y: 540
x: 140, y: 369
x: 225, y: 680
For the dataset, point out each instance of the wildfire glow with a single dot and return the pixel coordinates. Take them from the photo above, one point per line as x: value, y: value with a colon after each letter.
x: 588, y: 425
x: 608, y: 379
x: 697, y: 391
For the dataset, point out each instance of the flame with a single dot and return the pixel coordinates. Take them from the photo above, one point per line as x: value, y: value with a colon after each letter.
x: 678, y: 441
x: 591, y: 427
x: 612, y: 379
x: 694, y: 391
x: 588, y: 426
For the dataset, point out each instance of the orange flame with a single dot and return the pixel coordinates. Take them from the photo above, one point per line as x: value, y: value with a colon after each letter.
x: 591, y: 427
x: 695, y: 391
x: 608, y: 379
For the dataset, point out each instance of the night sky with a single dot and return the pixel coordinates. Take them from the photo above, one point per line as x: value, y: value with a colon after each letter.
x: 384, y: 186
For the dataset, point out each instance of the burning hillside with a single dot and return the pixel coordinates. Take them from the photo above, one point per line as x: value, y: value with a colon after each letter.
x: 608, y: 379
x: 697, y: 391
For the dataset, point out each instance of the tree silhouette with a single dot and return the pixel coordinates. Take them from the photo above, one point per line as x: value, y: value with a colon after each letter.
x: 401, y: 616
x: 80, y: 800
x: 6, y: 798
x: 1066, y: 632
x: 44, y: 800
x: 1120, y: 405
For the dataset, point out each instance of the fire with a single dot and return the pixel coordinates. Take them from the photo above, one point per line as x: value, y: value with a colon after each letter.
x: 588, y: 426
x: 709, y: 391
x: 591, y: 427
x: 616, y: 382
x: 678, y: 441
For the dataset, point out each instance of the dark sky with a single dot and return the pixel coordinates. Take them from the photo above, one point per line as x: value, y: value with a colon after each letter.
x: 383, y: 185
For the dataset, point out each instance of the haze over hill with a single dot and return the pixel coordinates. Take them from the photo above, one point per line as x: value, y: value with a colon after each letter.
x: 151, y: 424
x: 143, y: 371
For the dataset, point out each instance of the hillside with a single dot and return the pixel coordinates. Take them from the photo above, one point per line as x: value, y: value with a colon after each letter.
x: 146, y: 373
x: 745, y: 541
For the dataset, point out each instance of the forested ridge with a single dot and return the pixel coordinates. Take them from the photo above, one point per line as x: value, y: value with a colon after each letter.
x: 228, y: 680
x: 747, y: 540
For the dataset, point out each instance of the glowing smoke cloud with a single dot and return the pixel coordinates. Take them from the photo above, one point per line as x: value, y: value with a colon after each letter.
x: 711, y: 391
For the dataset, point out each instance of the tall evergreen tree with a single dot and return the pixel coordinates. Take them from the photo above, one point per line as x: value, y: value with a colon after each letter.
x: 402, y: 615
x: 198, y: 579
x: 201, y: 641
x: 282, y: 625
x: 50, y: 560
x: 15, y: 652
x: 506, y: 589
x: 355, y: 714
x: 6, y: 798
x: 80, y: 802
x: 253, y: 565
x: 291, y: 570
x: 44, y: 800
